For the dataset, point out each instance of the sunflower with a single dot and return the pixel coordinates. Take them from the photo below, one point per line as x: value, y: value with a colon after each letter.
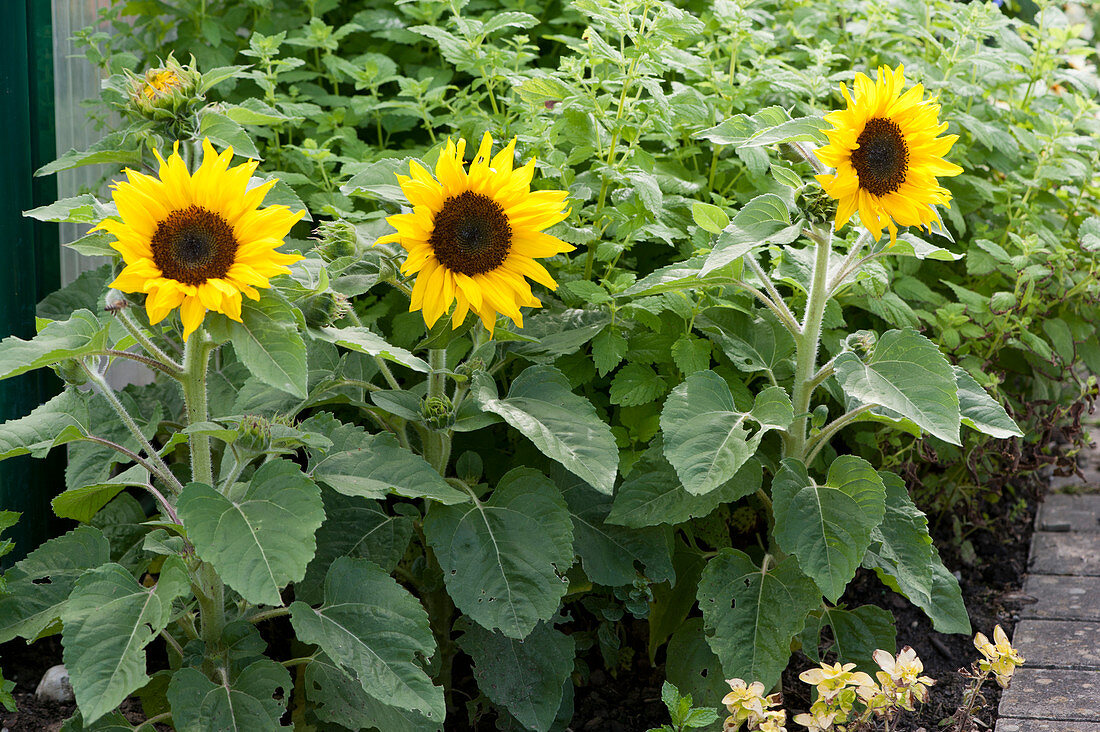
x: 197, y: 242
x: 887, y: 153
x: 473, y: 236
x: 160, y: 81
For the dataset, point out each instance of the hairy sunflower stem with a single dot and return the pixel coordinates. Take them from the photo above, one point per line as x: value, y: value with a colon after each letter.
x: 100, y: 384
x: 769, y: 286
x: 807, y: 343
x: 144, y: 360
x: 196, y: 359
x: 818, y: 441
x: 852, y: 262
x: 437, y: 443
x: 146, y: 342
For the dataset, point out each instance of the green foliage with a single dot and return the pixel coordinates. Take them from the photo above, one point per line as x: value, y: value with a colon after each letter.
x: 670, y: 435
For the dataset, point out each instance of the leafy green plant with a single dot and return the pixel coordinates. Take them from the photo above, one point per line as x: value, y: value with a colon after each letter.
x: 346, y: 517
x: 684, y: 715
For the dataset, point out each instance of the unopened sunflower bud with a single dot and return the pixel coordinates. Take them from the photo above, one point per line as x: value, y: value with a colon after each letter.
x: 816, y: 204
x: 336, y: 239
x: 471, y: 366
x: 70, y: 372
x: 254, y: 434
x: 324, y: 309
x: 165, y: 92
x: 438, y: 412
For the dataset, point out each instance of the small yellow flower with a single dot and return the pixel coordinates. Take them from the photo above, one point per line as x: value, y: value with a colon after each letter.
x: 816, y: 721
x: 831, y: 679
x: 774, y: 721
x: 901, y: 677
x: 744, y: 702
x: 160, y: 81
x: 1000, y: 657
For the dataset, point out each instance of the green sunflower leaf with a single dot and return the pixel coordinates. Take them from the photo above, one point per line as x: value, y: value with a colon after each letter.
x: 268, y: 343
x: 78, y: 336
x: 254, y: 701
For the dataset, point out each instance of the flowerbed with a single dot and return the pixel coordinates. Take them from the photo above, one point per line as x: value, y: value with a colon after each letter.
x: 438, y: 422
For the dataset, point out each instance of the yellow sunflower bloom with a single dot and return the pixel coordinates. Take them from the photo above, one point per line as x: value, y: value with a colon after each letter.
x: 197, y: 242
x: 887, y: 153
x: 473, y: 236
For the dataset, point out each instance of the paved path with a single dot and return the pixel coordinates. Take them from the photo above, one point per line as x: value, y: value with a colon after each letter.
x: 1058, y: 688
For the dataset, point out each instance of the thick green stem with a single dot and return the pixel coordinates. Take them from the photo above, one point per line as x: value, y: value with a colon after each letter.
x: 210, y: 592
x: 437, y: 443
x: 807, y: 344
x: 146, y: 342
x: 196, y: 358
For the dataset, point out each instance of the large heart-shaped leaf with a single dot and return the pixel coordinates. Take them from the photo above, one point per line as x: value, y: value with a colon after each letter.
x: 373, y: 629
x: 501, y: 557
x: 109, y: 619
x: 707, y: 438
x: 752, y: 613
x: 523, y: 676
x: 263, y: 538
x: 340, y: 699
x: 828, y: 527
x: 563, y: 425
x: 900, y: 546
x: 254, y: 701
x: 907, y: 374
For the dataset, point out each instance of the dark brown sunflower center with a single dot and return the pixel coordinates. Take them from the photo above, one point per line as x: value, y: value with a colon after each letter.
x: 193, y: 245
x: 471, y: 234
x: 882, y: 157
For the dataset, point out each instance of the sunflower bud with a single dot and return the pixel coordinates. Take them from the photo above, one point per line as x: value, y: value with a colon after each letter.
x: 438, y: 412
x: 254, y: 434
x: 165, y: 92
x: 816, y: 204
x: 70, y: 372
x: 336, y: 239
x: 324, y: 309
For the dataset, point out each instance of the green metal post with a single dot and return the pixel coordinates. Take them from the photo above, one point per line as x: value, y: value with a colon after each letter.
x: 29, y: 266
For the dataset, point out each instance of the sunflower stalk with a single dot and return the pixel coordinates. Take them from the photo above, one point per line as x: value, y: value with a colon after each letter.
x: 437, y: 443
x: 807, y: 343
x: 146, y: 342
x: 196, y: 358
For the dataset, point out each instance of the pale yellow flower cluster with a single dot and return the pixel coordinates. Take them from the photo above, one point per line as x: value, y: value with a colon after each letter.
x: 1001, y: 659
x: 748, y: 705
x: 837, y: 688
x: 900, y: 681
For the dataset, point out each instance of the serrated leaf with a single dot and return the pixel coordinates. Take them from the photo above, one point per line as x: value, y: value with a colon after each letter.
x: 608, y: 349
x: 907, y: 374
x: 227, y: 133
x: 709, y: 217
x: 707, y: 438
x: 680, y: 276
x: 39, y: 586
x: 691, y: 354
x: 751, y: 614
x: 901, y: 548
x: 656, y: 496
x: 263, y: 538
x: 609, y: 552
x: 564, y: 426
x: 217, y: 75
x: 909, y: 244
x: 245, y: 704
x: 268, y: 343
x: 80, y: 209
x: 636, y: 384
x: 373, y: 629
x: 828, y: 527
x: 60, y: 420
x: 374, y: 466
x: 364, y: 341
x: 501, y: 557
x: 526, y: 676
x: 81, y: 504
x: 800, y: 129
x: 980, y: 411
x: 340, y: 699
x: 752, y: 343
x: 109, y: 619
x: 78, y: 336
x: 380, y: 179
x: 765, y: 219
x: 857, y: 634
x: 119, y: 148
x: 356, y: 528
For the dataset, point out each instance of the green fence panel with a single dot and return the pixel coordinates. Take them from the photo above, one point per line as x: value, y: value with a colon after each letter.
x: 28, y: 249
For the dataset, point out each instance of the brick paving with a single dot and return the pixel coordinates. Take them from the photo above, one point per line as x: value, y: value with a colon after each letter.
x: 1058, y: 688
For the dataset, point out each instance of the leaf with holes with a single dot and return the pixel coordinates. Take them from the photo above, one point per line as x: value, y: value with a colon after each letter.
x: 254, y: 701
x: 501, y: 558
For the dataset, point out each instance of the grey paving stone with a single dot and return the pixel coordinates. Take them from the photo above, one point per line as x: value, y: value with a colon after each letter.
x: 1061, y: 598
x: 1059, y: 644
x: 1064, y: 512
x: 1090, y: 482
x: 1044, y: 725
x: 1037, y: 693
x: 1065, y: 553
